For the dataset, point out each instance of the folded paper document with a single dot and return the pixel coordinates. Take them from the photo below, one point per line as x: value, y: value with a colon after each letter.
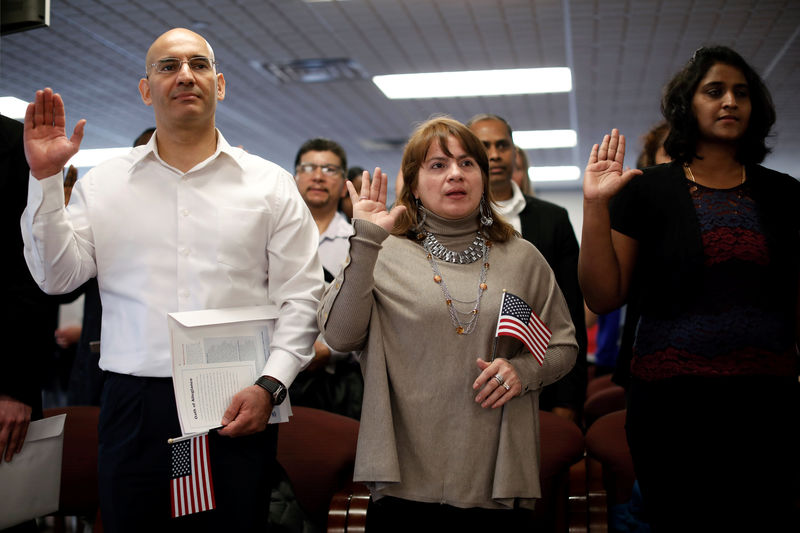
x: 30, y: 483
x: 215, y: 354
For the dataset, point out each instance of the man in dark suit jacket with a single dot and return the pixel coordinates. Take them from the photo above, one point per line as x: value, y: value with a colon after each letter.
x: 29, y: 316
x: 547, y: 226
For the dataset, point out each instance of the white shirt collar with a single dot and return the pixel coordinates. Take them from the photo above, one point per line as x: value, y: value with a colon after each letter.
x: 151, y: 150
x: 514, y: 205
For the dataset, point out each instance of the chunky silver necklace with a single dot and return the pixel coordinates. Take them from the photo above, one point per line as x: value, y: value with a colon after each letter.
x: 464, y: 320
x: 473, y: 252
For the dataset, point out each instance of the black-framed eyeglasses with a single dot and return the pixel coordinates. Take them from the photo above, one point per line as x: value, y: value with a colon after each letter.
x: 310, y: 168
x: 171, y: 65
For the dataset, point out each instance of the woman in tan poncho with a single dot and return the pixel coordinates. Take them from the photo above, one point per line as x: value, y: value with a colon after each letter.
x: 449, y: 437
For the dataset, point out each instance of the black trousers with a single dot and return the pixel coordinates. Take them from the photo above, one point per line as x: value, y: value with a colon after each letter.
x: 137, y: 417
x: 716, y: 454
x: 397, y: 515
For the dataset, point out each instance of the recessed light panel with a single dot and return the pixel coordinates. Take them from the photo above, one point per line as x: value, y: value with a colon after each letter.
x: 475, y: 83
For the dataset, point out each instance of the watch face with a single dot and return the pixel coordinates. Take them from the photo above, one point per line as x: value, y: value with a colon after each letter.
x: 279, y: 395
x: 276, y: 390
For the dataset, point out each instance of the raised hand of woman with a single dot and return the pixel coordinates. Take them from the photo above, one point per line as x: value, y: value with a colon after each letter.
x: 605, y: 175
x: 47, y: 147
x: 370, y: 203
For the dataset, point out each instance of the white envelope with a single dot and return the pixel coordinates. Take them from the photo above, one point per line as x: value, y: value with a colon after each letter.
x: 30, y: 483
x: 216, y: 353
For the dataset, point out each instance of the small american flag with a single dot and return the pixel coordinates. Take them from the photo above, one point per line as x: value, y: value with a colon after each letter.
x: 191, y: 488
x: 518, y: 320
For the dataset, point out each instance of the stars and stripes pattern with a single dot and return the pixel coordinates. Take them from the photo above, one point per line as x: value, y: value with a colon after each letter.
x: 518, y: 320
x: 191, y: 487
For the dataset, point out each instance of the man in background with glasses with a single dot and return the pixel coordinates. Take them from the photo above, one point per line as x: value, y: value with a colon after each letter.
x: 185, y: 222
x: 333, y: 380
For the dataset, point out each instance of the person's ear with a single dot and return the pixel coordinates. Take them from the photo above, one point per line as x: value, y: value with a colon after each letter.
x: 220, y: 87
x: 144, y: 91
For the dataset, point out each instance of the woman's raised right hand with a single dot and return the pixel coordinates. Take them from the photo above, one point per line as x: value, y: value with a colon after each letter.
x: 605, y: 175
x: 370, y: 203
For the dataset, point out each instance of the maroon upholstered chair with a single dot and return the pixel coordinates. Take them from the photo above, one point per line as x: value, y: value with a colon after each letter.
x: 78, y: 465
x: 318, y: 450
x: 606, y: 443
x: 599, y: 383
x: 606, y: 400
x: 561, y: 444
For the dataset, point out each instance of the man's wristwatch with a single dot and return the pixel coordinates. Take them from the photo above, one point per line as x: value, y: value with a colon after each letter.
x: 274, y: 387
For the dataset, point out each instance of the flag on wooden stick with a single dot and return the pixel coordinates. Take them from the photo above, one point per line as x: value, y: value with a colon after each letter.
x: 191, y: 487
x: 518, y: 320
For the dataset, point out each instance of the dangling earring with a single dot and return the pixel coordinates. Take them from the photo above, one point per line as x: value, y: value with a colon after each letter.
x: 421, y: 216
x: 486, y: 213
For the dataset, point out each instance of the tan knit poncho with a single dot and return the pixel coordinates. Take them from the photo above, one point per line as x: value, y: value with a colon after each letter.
x: 422, y: 435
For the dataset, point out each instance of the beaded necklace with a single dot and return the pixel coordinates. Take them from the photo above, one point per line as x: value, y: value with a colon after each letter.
x: 463, y: 320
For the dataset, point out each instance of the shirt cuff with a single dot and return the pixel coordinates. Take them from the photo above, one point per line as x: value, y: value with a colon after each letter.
x: 46, y: 194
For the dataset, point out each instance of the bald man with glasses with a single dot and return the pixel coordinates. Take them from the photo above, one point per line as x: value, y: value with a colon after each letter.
x: 183, y: 223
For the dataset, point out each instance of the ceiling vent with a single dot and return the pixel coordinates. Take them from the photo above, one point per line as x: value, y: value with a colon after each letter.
x: 311, y: 70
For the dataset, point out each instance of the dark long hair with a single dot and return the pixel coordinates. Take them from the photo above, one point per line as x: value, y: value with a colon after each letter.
x: 676, y: 106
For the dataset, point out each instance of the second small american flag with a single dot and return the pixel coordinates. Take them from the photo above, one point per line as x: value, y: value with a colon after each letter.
x: 518, y: 320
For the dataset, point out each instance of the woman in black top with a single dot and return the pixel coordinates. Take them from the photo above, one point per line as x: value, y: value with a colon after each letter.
x: 710, y: 244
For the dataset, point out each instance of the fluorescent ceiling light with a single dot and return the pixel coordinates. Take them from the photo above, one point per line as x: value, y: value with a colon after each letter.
x: 475, y: 83
x: 12, y: 107
x: 554, y: 173
x: 93, y: 157
x: 545, y: 139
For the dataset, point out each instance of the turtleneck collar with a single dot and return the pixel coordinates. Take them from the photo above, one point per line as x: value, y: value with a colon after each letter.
x: 455, y: 234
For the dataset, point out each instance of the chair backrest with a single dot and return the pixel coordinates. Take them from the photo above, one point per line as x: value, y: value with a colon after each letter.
x: 79, y: 460
x: 606, y: 442
x: 318, y: 451
x: 561, y: 447
x: 599, y: 383
x: 604, y: 401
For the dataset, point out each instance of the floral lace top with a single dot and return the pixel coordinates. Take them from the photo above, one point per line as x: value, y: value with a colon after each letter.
x: 731, y: 329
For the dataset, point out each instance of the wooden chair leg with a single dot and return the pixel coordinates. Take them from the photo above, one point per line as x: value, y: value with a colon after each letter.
x: 578, y: 502
x: 597, y: 499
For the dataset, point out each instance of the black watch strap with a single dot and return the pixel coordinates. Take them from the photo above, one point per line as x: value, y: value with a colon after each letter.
x: 274, y: 387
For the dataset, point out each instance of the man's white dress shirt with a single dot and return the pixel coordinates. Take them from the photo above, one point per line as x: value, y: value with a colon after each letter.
x: 232, y: 231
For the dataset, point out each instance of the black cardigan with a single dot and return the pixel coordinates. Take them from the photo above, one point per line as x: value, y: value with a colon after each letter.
x: 657, y: 211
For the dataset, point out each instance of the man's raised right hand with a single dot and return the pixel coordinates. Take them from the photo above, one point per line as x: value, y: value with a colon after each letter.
x: 47, y: 147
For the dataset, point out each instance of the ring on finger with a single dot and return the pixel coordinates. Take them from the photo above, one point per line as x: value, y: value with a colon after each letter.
x: 499, y: 379
x: 363, y: 197
x: 506, y: 386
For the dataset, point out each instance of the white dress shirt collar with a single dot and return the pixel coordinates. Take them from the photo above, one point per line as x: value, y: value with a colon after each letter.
x: 151, y: 150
